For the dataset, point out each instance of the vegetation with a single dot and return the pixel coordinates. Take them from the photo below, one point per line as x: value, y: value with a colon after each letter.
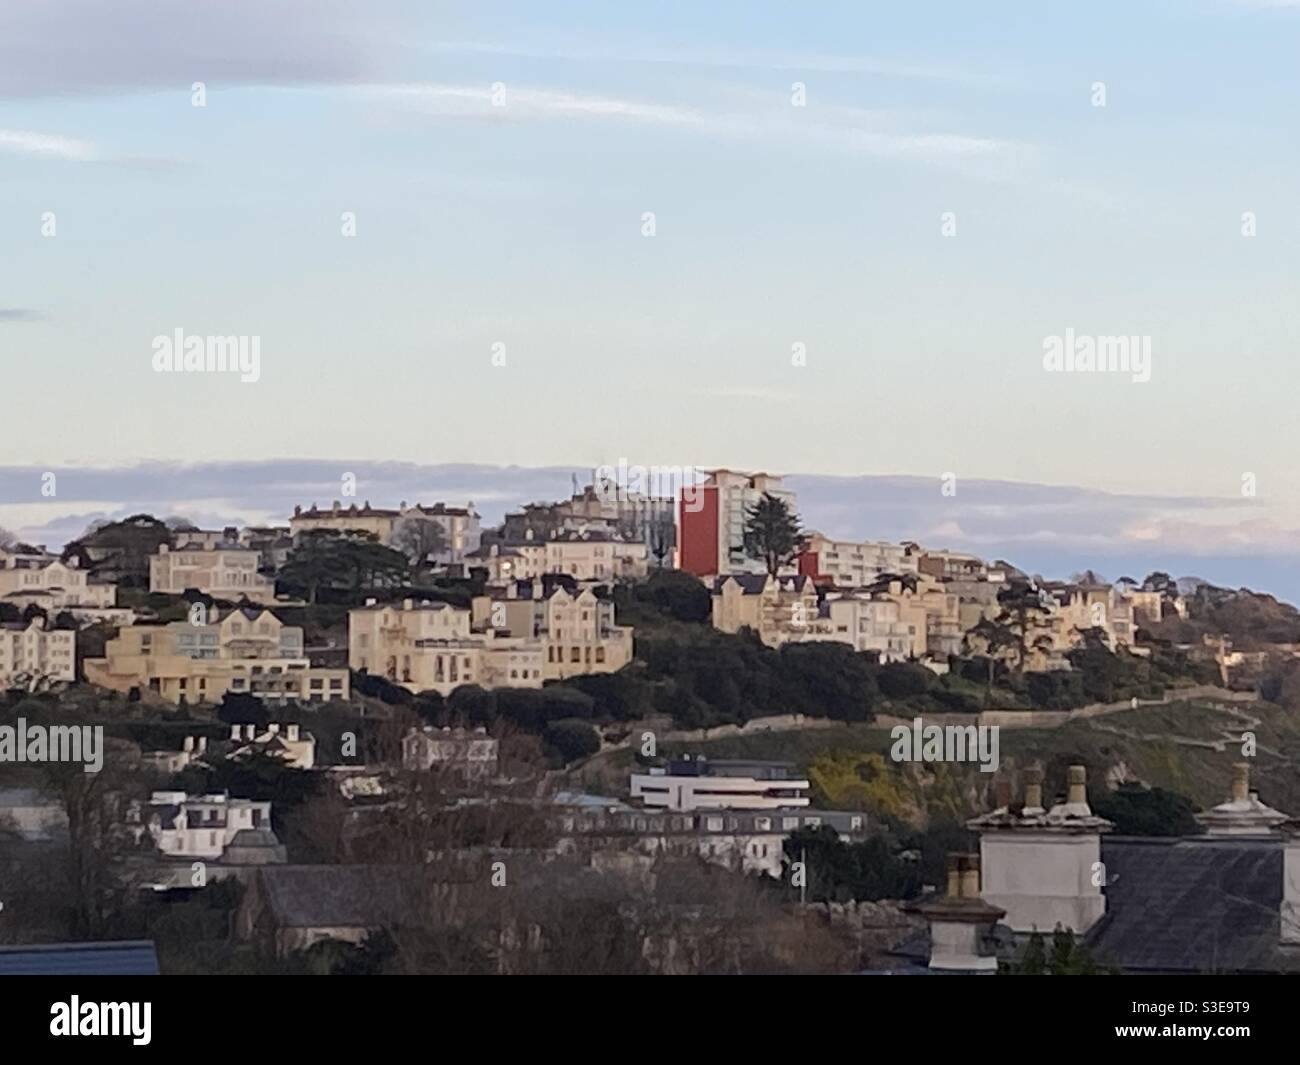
x: 772, y: 533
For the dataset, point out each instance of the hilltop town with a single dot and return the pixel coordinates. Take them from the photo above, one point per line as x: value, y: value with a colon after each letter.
x: 390, y: 738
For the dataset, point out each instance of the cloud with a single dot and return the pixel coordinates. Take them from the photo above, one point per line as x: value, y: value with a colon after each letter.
x: 767, y: 119
x: 827, y: 64
x: 47, y: 145
x: 20, y: 314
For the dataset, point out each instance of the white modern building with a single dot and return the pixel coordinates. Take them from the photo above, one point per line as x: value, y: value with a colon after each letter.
x: 198, y: 826
x: 701, y: 784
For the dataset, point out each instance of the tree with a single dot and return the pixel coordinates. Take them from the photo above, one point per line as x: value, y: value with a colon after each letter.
x: 324, y: 559
x: 772, y: 532
x: 7, y: 540
x: 419, y: 537
x: 1141, y: 811
x: 1067, y: 958
x: 663, y: 535
x: 572, y: 739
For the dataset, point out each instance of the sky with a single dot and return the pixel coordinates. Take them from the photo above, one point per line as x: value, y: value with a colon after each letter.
x: 868, y: 220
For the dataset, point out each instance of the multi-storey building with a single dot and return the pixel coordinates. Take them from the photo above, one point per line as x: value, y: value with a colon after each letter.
x: 427, y: 646
x: 778, y: 609
x: 865, y: 624
x: 224, y: 571
x: 460, y: 525
x: 712, y: 521
x: 852, y: 564
x: 34, y: 653
x: 466, y: 753
x: 577, y: 627
x: 949, y: 565
x: 930, y: 610
x: 197, y: 826
x: 52, y: 583
x: 602, y: 506
x: 249, y: 651
x: 593, y: 555
x: 731, y: 784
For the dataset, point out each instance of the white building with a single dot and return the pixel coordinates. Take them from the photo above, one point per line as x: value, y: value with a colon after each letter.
x: 853, y: 563
x: 198, y: 826
x: 56, y: 586
x: 701, y: 784
x: 287, y: 742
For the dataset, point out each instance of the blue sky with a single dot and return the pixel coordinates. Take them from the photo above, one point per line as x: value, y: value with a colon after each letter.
x: 775, y: 225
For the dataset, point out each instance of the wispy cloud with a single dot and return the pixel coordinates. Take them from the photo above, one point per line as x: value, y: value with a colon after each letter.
x: 20, y: 314
x: 47, y: 145
x: 751, y: 60
x: 844, y: 129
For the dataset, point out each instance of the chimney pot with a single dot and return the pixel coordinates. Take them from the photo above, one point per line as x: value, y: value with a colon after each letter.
x: 954, y: 877
x: 968, y: 867
x: 274, y: 728
x: 1078, y: 792
x: 292, y: 732
x: 234, y: 732
x: 187, y: 744
x: 1034, y: 788
x: 1240, y: 781
x: 250, y: 732
x: 203, y: 744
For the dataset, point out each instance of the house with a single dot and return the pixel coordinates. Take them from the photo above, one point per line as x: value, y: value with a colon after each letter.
x: 196, y: 826
x: 576, y: 626
x: 865, y: 623
x: 224, y: 571
x: 287, y: 742
x: 289, y: 907
x: 32, y: 654
x: 459, y: 525
x: 32, y: 816
x: 1225, y: 901
x: 722, y: 784
x: 426, y: 646
x: 248, y: 651
x: 468, y: 753
x: 778, y: 609
x: 61, y: 585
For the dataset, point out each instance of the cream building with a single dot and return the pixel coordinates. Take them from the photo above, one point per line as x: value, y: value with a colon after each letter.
x: 577, y: 627
x: 227, y: 571
x: 32, y: 652
x: 52, y: 584
x: 865, y: 624
x: 930, y: 610
x: 850, y: 563
x: 460, y: 525
x: 430, y: 647
x: 779, y: 609
x: 249, y: 651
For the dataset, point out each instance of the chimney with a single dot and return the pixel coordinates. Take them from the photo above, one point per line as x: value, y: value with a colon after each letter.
x: 203, y: 744
x: 961, y: 923
x: 292, y: 732
x: 187, y: 744
x: 336, y: 506
x: 1243, y: 814
x: 234, y: 732
x: 250, y: 732
x: 1039, y: 865
x: 1078, y: 793
x: 1033, y: 790
x: 273, y: 728
x: 371, y: 602
x: 1240, y: 782
x: 297, y: 509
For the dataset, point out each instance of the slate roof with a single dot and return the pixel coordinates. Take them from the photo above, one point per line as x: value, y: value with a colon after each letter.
x: 343, y: 896
x: 128, y: 957
x: 1192, y: 905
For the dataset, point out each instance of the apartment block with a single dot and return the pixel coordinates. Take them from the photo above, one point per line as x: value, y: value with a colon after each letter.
x: 865, y: 624
x: 850, y: 563
x: 712, y: 521
x: 249, y: 651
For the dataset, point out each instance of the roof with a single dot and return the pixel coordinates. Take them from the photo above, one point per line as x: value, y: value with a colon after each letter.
x: 342, y: 896
x: 127, y: 957
x: 1193, y: 905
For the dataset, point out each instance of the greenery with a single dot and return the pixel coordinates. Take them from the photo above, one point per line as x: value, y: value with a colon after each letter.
x: 1141, y: 811
x: 1067, y: 958
x: 772, y: 533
